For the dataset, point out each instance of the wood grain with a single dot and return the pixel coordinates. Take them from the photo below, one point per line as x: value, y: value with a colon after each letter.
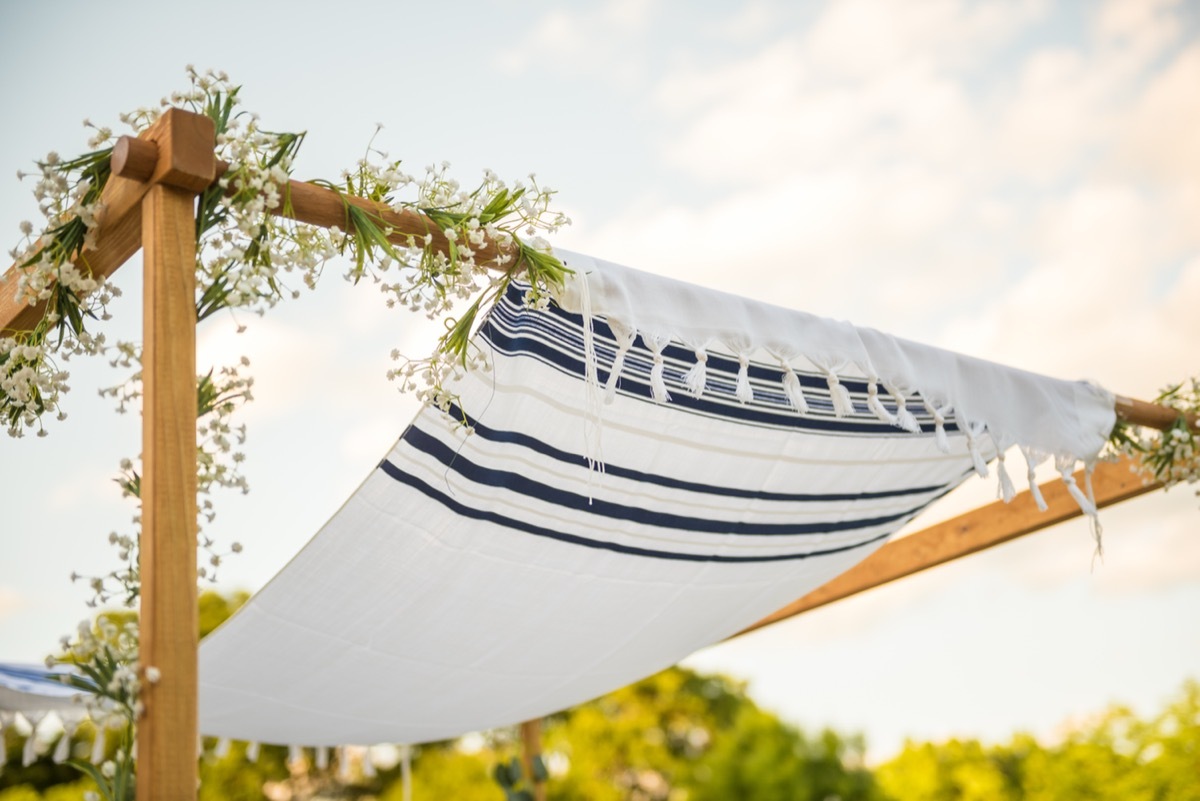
x: 167, y: 734
x: 531, y: 747
x: 966, y: 534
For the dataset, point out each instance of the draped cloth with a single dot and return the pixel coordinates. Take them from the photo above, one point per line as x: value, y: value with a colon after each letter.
x: 643, y: 468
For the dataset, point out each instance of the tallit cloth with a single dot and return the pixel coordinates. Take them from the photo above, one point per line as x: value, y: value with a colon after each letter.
x: 566, y: 546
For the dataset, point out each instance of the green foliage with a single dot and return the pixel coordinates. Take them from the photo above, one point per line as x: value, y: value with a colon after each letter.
x: 763, y: 759
x: 1115, y: 757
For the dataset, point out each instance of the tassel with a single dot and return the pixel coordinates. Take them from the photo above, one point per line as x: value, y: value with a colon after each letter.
x: 696, y: 377
x: 322, y: 758
x: 99, y: 744
x: 221, y: 750
x: 904, y: 418
x: 624, y: 337
x: 791, y: 388
x: 29, y: 754
x: 939, y: 424
x: 368, y: 764
x: 62, y: 751
x: 876, y: 405
x: 839, y: 395
x: 658, y: 385
x: 1065, y: 469
x: 973, y: 433
x: 745, y: 393
x: 343, y: 768
x: 1034, y: 490
x: 252, y: 749
x: 1006, y: 491
x: 295, y: 755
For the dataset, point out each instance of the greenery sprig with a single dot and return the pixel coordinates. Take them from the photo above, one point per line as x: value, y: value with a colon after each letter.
x: 1172, y: 456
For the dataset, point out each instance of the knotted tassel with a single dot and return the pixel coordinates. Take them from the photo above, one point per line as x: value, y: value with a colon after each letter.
x: 904, y: 418
x: 658, y: 385
x: 696, y: 377
x: 99, y: 744
x: 939, y: 423
x: 29, y: 754
x: 839, y: 395
x: 1034, y: 489
x: 221, y: 749
x: 973, y: 431
x: 1066, y: 468
x: 322, y: 758
x: 343, y: 765
x: 252, y: 749
x: 295, y: 755
x: 876, y: 405
x: 368, y: 763
x: 792, y: 388
x: 1006, y: 491
x: 624, y: 337
x: 745, y: 393
x: 62, y: 751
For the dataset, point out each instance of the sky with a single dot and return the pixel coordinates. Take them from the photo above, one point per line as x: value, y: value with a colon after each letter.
x: 1018, y: 180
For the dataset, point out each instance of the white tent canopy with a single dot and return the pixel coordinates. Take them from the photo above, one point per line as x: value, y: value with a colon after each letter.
x: 651, y: 467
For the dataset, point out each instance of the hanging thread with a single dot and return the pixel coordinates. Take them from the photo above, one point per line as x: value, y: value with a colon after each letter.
x: 744, y: 392
x: 839, y: 395
x: 658, y: 385
x: 624, y: 337
x: 696, y: 378
x: 876, y: 405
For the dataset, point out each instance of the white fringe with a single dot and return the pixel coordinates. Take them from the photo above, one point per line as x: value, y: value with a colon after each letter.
x: 99, y: 743
x: 696, y: 378
x: 29, y: 753
x: 296, y: 755
x: 62, y: 751
x: 904, y: 418
x: 876, y: 405
x: 1006, y: 491
x: 343, y: 768
x: 939, y: 423
x: 221, y: 749
x: 839, y: 395
x: 406, y: 772
x: 1034, y: 490
x: 625, y: 337
x: 745, y: 393
x: 252, y: 749
x: 792, y: 388
x: 658, y: 385
x: 322, y: 758
x: 593, y: 427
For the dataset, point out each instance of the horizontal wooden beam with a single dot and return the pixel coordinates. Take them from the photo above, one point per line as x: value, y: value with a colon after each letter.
x: 969, y: 533
x: 119, y: 221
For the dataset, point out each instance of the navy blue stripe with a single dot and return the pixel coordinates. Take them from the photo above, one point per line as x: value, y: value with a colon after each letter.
x: 471, y: 513
x: 522, y: 344
x: 545, y: 449
x: 522, y: 485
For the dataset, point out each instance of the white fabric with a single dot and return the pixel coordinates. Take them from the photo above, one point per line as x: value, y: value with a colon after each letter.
x: 34, y: 689
x: 480, y: 580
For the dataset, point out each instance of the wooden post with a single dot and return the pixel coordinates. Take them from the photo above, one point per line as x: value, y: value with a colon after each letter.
x: 168, y: 732
x: 531, y: 747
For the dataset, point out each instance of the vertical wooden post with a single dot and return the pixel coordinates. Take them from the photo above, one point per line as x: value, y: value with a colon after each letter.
x: 168, y: 730
x: 167, y: 734
x: 531, y: 742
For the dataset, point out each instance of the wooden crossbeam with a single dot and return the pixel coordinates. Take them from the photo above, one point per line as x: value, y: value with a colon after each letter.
x: 969, y: 533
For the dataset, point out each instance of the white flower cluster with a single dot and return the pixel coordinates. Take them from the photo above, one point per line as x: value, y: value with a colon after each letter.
x: 1172, y: 456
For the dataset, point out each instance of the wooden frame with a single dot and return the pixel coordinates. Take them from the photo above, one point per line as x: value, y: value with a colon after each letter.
x: 149, y: 203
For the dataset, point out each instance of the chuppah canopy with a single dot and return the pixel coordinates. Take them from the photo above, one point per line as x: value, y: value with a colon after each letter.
x: 643, y: 468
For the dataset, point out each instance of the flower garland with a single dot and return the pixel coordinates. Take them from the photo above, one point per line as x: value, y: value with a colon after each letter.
x: 249, y: 257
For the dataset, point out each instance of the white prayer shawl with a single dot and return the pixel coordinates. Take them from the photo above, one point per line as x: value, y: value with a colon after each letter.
x: 567, y: 547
